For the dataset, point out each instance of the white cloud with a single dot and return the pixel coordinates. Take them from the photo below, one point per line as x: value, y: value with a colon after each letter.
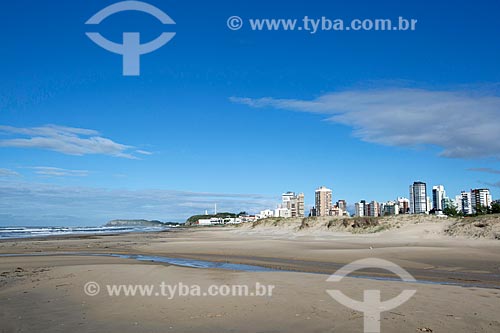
x: 36, y: 203
x: 58, y: 172
x: 464, y: 124
x: 8, y: 173
x: 66, y: 140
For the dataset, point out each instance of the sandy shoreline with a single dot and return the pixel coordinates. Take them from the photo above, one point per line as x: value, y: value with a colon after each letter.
x: 45, y: 293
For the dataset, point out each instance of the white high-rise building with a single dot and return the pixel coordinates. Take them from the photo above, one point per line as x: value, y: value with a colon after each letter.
x: 294, y: 203
x: 438, y: 195
x: 418, y: 198
x: 286, y: 197
x: 464, y: 203
x: 359, y: 209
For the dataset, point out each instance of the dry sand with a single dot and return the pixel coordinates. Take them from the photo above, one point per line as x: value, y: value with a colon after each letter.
x: 45, y: 293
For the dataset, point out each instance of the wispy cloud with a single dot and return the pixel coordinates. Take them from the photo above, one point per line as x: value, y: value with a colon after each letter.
x: 66, y: 140
x: 486, y: 170
x: 8, y: 173
x: 143, y: 152
x: 463, y: 123
x: 58, y: 172
x: 36, y: 203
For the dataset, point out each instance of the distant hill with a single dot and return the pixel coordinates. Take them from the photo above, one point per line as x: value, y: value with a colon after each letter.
x: 139, y: 223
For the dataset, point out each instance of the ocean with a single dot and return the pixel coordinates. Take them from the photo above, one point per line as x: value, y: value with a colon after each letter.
x: 28, y: 232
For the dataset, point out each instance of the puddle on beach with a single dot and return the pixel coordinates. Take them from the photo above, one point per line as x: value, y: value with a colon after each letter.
x: 160, y: 259
x: 197, y: 263
x: 203, y: 264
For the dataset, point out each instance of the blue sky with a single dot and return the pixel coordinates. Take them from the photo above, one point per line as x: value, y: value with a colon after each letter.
x: 238, y: 117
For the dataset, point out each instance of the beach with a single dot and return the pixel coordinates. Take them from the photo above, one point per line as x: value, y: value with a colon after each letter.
x: 457, y: 288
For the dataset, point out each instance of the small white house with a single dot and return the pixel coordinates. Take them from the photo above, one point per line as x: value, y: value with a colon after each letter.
x: 211, y: 221
x: 266, y: 213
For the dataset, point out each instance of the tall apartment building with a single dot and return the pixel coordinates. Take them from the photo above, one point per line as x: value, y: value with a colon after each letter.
x: 359, y: 208
x: 288, y: 203
x: 294, y: 204
x: 438, y: 195
x: 418, y: 198
x: 480, y: 197
x: 287, y: 197
x: 323, y: 201
x: 373, y: 209
x: 300, y: 205
x: 464, y: 203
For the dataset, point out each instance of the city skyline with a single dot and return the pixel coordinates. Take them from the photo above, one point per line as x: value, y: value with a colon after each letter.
x: 419, y: 201
x: 233, y: 117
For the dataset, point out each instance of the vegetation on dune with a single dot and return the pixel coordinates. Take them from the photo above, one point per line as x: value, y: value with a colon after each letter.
x: 480, y: 226
x: 354, y: 225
